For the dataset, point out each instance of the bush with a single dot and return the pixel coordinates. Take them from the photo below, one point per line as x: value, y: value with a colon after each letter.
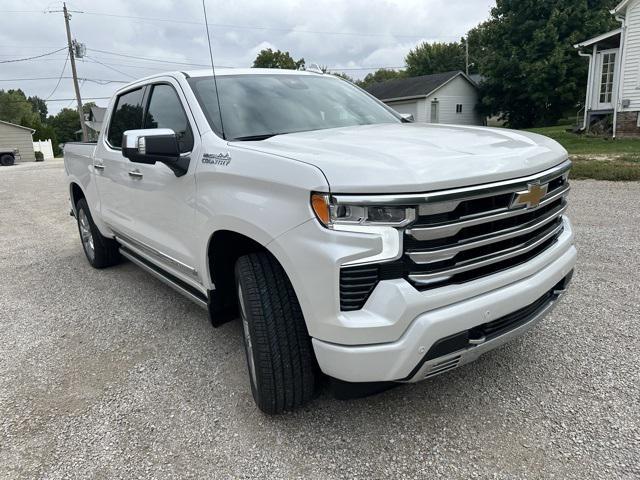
x: 39, y: 157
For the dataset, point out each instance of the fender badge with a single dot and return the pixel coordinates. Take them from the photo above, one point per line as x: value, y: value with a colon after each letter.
x: 221, y: 159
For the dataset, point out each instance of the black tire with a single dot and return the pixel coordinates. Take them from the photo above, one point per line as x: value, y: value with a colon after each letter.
x: 277, y: 340
x: 7, y: 160
x: 105, y: 250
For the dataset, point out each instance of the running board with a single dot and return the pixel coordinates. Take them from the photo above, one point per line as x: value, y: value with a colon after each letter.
x: 167, y: 278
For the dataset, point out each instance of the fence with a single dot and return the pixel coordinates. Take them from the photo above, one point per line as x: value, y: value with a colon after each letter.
x: 45, y: 147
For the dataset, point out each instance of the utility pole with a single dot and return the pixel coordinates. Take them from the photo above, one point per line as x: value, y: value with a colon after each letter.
x: 72, y: 58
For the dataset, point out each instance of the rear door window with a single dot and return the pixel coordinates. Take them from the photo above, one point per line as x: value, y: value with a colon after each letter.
x: 127, y: 115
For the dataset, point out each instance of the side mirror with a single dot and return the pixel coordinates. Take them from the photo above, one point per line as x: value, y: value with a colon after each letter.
x: 407, y: 117
x: 153, y: 145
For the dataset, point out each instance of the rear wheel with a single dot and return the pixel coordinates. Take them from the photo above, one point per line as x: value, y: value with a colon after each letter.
x: 6, y: 160
x: 100, y: 251
x: 280, y: 360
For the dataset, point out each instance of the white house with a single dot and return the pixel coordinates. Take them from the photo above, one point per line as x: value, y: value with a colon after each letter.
x: 449, y: 97
x: 613, y: 86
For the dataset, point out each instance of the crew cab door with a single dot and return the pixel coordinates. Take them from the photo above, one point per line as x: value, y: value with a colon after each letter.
x: 148, y: 206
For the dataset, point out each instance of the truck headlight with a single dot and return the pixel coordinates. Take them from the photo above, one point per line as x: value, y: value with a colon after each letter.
x: 332, y: 214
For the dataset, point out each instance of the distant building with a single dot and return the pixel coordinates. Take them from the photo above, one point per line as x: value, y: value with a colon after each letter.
x: 449, y: 97
x: 14, y: 136
x: 613, y: 84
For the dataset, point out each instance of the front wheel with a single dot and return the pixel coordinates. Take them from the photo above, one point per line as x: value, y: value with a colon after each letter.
x: 100, y: 251
x: 280, y: 359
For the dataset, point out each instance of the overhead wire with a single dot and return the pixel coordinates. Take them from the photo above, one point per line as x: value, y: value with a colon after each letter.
x: 32, y: 58
x: 64, y: 67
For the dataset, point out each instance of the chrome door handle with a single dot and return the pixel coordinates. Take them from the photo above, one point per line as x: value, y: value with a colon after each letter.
x: 98, y: 166
x: 135, y: 173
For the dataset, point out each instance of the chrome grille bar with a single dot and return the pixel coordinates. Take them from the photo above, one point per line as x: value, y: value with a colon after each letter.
x: 440, y: 276
x: 451, y: 229
x: 454, y: 195
x: 438, y: 255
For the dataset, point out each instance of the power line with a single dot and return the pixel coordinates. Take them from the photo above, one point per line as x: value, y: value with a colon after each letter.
x: 259, y: 27
x: 95, y: 80
x: 64, y: 67
x: 73, y: 99
x: 33, y: 58
x: 159, y: 60
x: 207, y: 65
x: 110, y: 68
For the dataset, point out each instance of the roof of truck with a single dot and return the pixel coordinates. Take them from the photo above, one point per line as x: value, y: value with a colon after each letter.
x: 246, y: 71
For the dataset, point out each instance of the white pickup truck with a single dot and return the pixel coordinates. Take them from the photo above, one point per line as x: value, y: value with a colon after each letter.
x: 348, y: 240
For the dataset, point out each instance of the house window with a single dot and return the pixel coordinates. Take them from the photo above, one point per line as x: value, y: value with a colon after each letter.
x: 459, y: 108
x: 606, y: 81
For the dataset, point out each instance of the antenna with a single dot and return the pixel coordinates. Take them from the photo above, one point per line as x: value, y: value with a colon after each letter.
x: 213, y: 68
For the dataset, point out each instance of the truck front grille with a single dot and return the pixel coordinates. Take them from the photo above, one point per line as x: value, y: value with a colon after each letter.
x: 476, y: 233
x: 464, y: 234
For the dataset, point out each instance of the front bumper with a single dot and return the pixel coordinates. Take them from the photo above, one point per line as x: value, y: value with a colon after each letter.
x: 404, y: 359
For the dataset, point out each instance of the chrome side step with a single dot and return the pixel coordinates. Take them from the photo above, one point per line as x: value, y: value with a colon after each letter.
x: 165, y: 277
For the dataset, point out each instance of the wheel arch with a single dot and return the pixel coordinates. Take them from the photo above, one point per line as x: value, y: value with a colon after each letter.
x: 224, y: 247
x: 75, y: 194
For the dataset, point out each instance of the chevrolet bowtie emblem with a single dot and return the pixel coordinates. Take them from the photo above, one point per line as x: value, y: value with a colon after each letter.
x: 531, y: 197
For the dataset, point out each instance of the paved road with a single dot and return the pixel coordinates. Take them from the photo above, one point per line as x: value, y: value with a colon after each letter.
x: 113, y: 375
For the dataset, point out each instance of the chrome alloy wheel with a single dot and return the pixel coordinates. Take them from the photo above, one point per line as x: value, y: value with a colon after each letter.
x: 85, y: 234
x: 247, y: 337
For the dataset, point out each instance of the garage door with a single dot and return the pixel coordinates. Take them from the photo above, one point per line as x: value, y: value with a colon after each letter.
x: 410, y: 108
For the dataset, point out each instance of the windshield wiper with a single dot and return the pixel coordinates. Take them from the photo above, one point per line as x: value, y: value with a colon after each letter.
x: 263, y: 136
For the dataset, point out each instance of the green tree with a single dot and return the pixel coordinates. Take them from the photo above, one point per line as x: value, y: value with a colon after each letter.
x: 39, y: 106
x: 343, y: 75
x: 381, y: 75
x: 429, y: 58
x: 533, y: 75
x: 65, y: 124
x: 268, y: 58
x: 15, y: 108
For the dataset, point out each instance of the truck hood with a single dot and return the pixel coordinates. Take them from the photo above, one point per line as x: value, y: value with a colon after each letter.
x: 414, y: 157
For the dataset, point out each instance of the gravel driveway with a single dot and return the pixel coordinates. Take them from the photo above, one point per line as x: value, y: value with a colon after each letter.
x: 111, y: 374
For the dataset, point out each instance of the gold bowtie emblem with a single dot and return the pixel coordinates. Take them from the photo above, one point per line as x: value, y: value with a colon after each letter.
x: 531, y: 197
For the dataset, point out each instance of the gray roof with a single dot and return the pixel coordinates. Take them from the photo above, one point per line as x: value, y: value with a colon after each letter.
x: 98, y: 113
x: 18, y: 126
x: 412, y: 86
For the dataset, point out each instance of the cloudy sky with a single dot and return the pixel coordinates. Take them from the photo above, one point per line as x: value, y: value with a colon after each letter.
x: 354, y: 36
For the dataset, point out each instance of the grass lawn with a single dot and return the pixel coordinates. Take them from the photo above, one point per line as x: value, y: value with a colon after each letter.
x: 619, y: 169
x: 585, y: 145
x: 596, y: 157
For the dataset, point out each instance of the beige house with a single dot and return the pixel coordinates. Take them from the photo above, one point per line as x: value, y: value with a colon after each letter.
x: 16, y: 136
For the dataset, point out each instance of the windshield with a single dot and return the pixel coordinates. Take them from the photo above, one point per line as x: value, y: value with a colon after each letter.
x: 255, y: 107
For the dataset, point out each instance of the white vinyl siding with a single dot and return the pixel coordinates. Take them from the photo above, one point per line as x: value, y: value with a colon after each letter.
x: 406, y: 108
x: 631, y: 68
x: 457, y: 92
x: 16, y: 137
